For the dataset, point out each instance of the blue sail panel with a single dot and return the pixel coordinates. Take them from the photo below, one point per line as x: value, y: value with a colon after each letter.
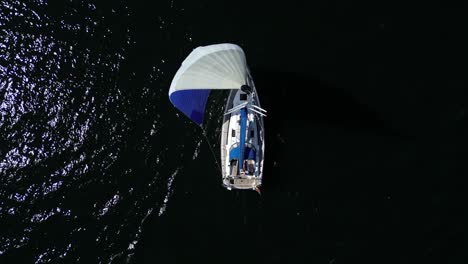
x: 191, y: 102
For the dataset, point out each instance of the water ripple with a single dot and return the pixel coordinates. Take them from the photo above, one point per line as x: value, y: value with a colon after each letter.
x: 82, y: 166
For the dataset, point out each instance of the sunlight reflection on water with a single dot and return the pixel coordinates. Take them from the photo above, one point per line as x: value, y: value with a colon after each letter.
x: 71, y: 118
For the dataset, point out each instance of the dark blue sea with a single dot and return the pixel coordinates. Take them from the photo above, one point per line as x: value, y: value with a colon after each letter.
x: 366, y: 134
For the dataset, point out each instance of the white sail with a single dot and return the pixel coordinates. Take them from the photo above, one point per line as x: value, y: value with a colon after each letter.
x: 214, y: 67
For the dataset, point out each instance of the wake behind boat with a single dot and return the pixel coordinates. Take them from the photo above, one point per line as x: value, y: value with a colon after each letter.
x: 224, y: 67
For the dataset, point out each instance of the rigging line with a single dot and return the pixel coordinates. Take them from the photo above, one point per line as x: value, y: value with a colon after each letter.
x: 217, y: 99
x: 212, y: 151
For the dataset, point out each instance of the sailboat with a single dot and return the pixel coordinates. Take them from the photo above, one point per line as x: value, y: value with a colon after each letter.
x: 224, y: 67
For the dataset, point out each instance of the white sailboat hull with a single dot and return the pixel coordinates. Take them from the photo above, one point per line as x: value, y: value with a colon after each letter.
x: 250, y: 176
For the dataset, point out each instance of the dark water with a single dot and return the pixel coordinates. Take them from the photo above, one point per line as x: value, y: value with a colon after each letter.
x: 366, y: 134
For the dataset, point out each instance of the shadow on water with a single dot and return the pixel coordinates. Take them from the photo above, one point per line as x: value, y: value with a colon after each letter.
x: 303, y: 113
x: 340, y: 183
x: 322, y: 147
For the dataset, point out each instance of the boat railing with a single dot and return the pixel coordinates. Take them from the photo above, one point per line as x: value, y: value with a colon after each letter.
x: 252, y: 107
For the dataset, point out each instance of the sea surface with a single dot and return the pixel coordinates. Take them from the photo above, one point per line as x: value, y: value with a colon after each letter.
x: 366, y: 134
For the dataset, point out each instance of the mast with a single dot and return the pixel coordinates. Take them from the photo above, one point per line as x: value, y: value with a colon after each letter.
x: 243, y: 128
x: 243, y: 124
